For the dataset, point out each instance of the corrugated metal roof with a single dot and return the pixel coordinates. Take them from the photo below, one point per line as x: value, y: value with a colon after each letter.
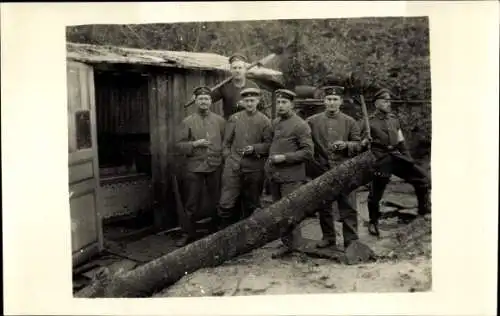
x: 89, y: 53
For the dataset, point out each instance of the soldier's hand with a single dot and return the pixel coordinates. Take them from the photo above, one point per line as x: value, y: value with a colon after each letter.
x: 278, y: 158
x: 248, y: 150
x: 365, y: 142
x: 201, y: 143
x: 339, y: 145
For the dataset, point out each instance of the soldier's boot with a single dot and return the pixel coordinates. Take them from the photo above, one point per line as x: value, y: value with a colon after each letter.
x: 225, y: 218
x: 185, y: 240
x: 286, y: 248
x: 327, y: 242
x: 349, y: 232
x: 327, y: 228
x: 374, y: 212
x: 424, y: 201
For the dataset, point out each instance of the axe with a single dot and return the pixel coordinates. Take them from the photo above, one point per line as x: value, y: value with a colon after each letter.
x: 252, y: 65
x: 366, y: 120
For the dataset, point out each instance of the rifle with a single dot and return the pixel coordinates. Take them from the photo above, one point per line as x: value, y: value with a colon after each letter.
x: 225, y: 81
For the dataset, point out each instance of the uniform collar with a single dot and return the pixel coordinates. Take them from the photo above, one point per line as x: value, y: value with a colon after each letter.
x: 381, y: 115
x: 332, y: 115
x: 243, y: 83
x: 207, y: 114
x: 250, y: 114
x: 287, y: 116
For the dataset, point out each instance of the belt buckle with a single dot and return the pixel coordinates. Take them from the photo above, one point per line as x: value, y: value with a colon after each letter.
x: 390, y: 147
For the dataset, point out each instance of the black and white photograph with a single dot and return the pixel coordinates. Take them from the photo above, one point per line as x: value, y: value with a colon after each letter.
x: 250, y: 157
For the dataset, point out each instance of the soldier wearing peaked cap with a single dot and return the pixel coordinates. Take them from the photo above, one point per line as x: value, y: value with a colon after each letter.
x: 388, y: 144
x: 246, y: 145
x: 337, y: 138
x: 199, y: 139
x: 230, y: 93
x: 290, y: 149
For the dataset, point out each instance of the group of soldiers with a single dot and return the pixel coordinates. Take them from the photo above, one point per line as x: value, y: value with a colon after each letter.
x: 233, y: 155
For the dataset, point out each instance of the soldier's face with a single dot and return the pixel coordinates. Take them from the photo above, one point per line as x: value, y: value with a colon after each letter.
x: 250, y: 103
x: 283, y: 106
x: 238, y: 69
x: 203, y: 102
x: 333, y: 103
x: 383, y: 105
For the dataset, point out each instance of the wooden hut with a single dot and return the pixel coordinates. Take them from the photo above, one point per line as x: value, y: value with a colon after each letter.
x: 124, y: 106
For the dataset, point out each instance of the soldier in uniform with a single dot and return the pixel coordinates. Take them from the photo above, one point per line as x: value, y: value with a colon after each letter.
x: 336, y: 137
x: 245, y: 148
x: 290, y: 149
x: 200, y: 140
x: 230, y: 93
x: 388, y: 144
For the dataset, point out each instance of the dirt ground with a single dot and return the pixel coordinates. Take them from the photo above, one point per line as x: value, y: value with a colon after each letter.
x: 404, y: 264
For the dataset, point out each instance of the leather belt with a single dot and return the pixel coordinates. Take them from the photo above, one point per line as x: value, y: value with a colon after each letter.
x: 384, y: 147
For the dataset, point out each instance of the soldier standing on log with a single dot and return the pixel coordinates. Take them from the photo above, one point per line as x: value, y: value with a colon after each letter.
x: 246, y: 145
x: 290, y: 149
x: 230, y: 93
x: 388, y: 145
x: 336, y: 137
x: 200, y: 140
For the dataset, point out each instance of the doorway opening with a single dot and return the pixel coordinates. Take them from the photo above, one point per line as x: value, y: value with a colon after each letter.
x: 123, y: 137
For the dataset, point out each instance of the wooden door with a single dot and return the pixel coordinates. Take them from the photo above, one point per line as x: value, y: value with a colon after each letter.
x: 86, y: 226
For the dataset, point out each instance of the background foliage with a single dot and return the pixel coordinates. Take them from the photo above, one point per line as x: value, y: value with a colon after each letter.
x: 374, y: 52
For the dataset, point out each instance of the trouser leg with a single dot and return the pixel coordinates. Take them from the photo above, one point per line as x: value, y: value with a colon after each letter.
x: 213, y: 185
x: 377, y: 189
x: 229, y: 197
x: 418, y: 178
x: 193, y: 187
x: 253, y: 184
x: 348, y: 217
x: 326, y: 222
x: 289, y: 236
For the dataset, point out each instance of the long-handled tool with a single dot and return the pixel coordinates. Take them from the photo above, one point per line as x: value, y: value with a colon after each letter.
x: 184, y: 221
x: 365, y: 117
x: 263, y: 61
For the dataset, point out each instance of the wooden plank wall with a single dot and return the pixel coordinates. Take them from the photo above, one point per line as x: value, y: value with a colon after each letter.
x: 159, y: 133
x: 168, y: 93
x: 123, y: 103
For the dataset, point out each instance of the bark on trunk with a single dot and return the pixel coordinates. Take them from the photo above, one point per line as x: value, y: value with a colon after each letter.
x: 261, y: 228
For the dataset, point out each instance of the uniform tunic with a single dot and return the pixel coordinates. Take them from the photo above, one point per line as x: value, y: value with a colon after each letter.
x: 326, y: 129
x: 384, y: 132
x: 230, y: 96
x: 389, y: 147
x: 244, y: 174
x: 210, y: 127
x: 203, y: 164
x: 291, y: 138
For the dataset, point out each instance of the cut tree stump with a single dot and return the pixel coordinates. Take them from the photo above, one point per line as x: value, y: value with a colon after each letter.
x: 265, y: 225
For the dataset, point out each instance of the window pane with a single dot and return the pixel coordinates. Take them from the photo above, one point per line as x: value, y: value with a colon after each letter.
x: 74, y: 101
x: 83, y: 131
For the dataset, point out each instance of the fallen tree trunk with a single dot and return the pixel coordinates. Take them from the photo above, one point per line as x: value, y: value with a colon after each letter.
x: 262, y: 227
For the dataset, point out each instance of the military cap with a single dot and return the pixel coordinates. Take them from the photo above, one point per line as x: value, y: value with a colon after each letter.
x: 202, y: 90
x: 250, y: 92
x: 285, y: 94
x: 332, y: 90
x: 382, y: 94
x: 237, y: 57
